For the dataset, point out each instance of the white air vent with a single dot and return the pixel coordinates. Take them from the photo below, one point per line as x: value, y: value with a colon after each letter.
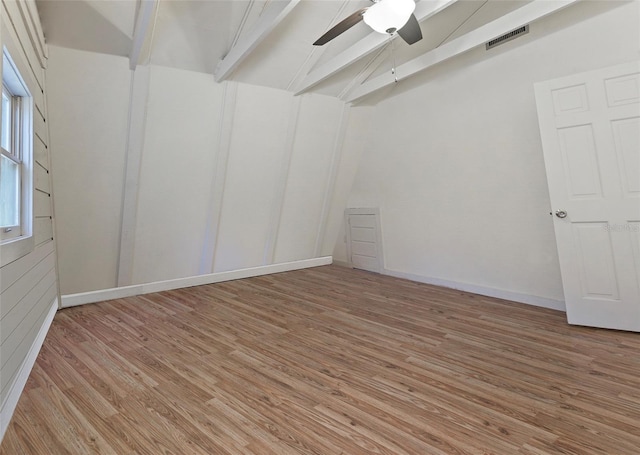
x: 507, y: 37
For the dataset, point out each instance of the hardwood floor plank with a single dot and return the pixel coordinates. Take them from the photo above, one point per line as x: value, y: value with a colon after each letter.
x: 29, y: 433
x: 72, y: 429
x: 327, y: 361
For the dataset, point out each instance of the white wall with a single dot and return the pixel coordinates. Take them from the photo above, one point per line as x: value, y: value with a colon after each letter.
x: 455, y: 161
x: 89, y: 102
x: 258, y: 146
x: 233, y: 176
x: 180, y: 139
x: 230, y: 176
x: 356, y: 139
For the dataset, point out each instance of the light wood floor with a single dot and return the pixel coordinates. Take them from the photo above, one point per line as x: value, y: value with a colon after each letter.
x: 327, y: 361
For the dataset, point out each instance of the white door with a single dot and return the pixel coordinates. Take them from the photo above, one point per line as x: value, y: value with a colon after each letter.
x: 590, y: 128
x: 364, y: 239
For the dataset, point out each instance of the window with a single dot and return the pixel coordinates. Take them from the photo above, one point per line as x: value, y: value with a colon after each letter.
x: 16, y: 192
x: 11, y: 167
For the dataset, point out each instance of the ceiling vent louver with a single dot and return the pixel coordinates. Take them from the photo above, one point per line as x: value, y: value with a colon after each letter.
x: 507, y: 37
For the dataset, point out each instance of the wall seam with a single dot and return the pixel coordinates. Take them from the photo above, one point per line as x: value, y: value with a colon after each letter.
x: 281, y: 185
x: 212, y: 233
x: 332, y: 177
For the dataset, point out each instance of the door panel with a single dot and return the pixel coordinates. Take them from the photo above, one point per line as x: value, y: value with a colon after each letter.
x: 363, y: 234
x: 362, y: 221
x: 634, y: 240
x: 590, y: 130
x: 626, y: 135
x: 596, y: 261
x: 622, y: 90
x: 364, y: 249
x: 570, y: 100
x: 364, y: 263
x: 580, y: 162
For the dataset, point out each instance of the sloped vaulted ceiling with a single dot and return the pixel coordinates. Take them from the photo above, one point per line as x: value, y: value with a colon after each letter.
x: 269, y: 42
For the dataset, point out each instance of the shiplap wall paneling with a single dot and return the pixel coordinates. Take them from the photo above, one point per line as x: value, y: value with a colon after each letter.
x: 31, y: 17
x: 309, y: 175
x: 40, y: 151
x: 41, y: 178
x: 23, y: 30
x: 39, y: 124
x: 31, y: 295
x: 43, y: 229
x: 258, y: 145
x: 178, y: 162
x: 43, y: 207
x: 41, y: 204
x: 28, y: 285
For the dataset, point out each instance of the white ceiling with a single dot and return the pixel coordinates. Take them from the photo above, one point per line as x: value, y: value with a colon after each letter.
x: 196, y: 34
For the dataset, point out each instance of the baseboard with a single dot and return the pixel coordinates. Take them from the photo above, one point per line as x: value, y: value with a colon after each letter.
x: 483, y: 290
x: 15, y: 389
x: 159, y: 286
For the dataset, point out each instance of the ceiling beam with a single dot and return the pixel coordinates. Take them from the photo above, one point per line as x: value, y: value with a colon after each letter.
x: 518, y: 18
x: 142, y: 31
x: 316, y: 51
x: 368, y: 44
x: 381, y: 56
x: 273, y: 14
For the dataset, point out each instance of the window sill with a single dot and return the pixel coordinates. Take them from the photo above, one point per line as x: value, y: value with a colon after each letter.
x: 14, y: 249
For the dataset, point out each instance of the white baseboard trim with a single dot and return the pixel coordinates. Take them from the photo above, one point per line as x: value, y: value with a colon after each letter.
x: 483, y: 290
x: 15, y: 389
x: 83, y: 298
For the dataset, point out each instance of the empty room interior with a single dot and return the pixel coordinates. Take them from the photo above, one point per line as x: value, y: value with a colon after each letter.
x: 402, y: 227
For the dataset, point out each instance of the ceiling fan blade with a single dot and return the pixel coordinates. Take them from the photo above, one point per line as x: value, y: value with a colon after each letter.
x: 341, y: 27
x: 411, y: 32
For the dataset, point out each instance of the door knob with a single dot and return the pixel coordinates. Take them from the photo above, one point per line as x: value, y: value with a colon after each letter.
x: 561, y: 214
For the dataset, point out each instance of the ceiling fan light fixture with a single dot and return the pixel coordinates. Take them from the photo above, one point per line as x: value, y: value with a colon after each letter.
x: 387, y: 16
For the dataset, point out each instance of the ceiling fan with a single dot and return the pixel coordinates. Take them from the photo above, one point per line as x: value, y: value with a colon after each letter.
x: 384, y: 16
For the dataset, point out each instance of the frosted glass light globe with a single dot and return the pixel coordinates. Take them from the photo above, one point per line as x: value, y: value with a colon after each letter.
x: 387, y: 16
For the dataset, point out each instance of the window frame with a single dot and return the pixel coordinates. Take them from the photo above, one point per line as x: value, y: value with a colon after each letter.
x: 20, y: 240
x: 14, y: 153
